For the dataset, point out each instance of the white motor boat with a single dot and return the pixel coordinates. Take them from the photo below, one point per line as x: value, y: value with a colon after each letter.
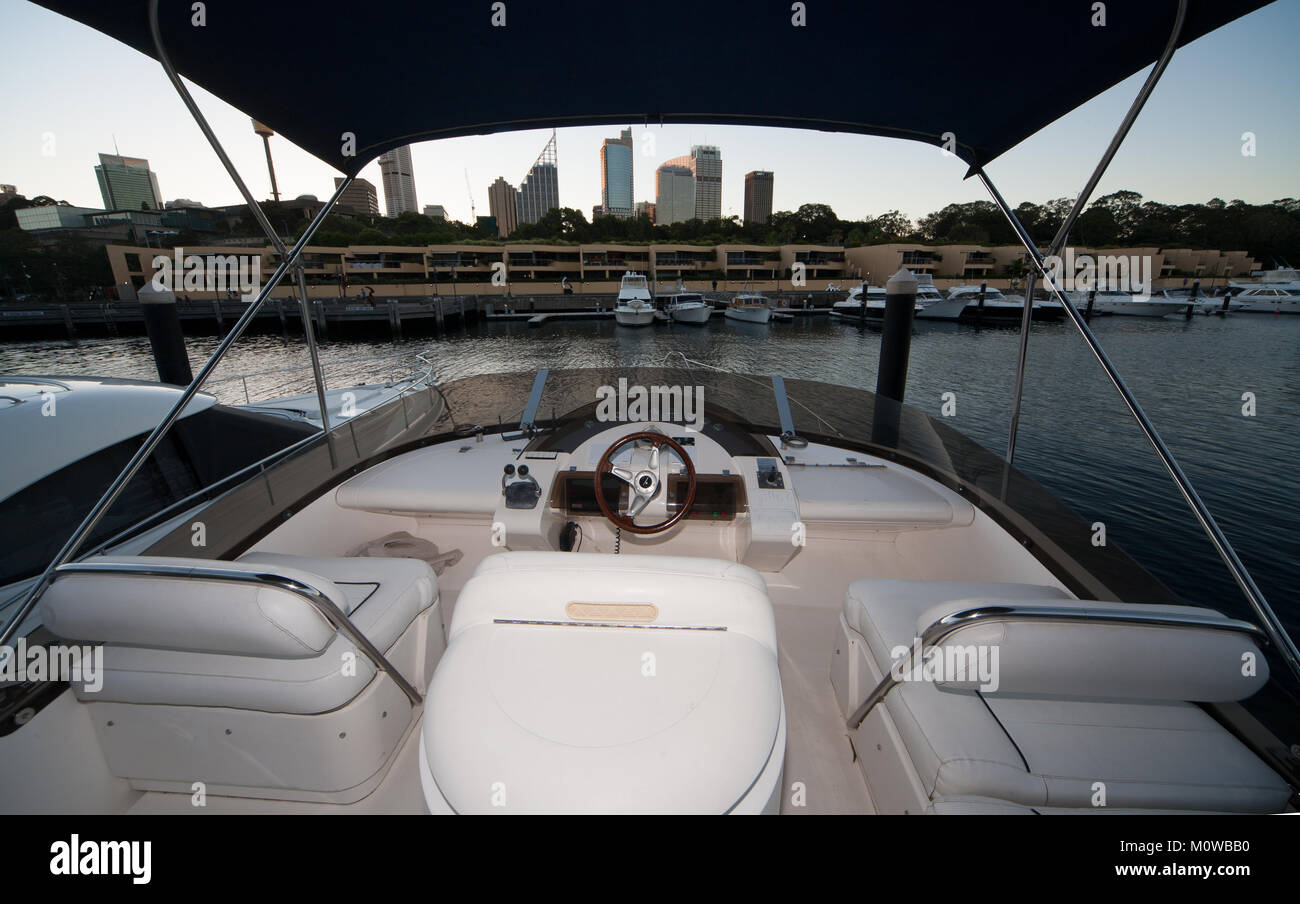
x: 1276, y: 292
x: 686, y: 307
x: 634, y: 306
x: 749, y: 307
x: 690, y: 307
x: 930, y: 303
x: 1108, y: 302
x: 1001, y: 308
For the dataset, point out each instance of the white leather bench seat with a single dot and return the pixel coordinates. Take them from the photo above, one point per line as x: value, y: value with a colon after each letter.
x: 1050, y: 749
x: 191, y: 641
x: 627, y: 684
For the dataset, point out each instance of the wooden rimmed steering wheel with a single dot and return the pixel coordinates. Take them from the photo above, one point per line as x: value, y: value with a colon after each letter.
x: 645, y: 480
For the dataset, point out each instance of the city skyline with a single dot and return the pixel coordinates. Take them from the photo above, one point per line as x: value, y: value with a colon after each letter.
x: 1204, y: 105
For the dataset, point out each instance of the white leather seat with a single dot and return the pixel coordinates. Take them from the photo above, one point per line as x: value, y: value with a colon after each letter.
x: 191, y: 641
x: 600, y: 683
x: 245, y: 685
x: 1077, y: 705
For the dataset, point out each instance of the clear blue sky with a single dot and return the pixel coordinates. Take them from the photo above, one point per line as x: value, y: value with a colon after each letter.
x: 61, y: 78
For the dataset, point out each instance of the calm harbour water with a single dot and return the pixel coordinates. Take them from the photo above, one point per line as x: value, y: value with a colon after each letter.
x: 1075, y: 436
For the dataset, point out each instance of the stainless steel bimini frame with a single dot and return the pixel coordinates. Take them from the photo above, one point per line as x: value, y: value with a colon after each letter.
x: 1272, y: 626
x: 289, y: 259
x: 935, y: 635
x: 313, y: 595
x: 1277, y: 634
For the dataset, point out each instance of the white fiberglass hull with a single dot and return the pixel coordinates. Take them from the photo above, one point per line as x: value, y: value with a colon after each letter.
x: 634, y: 316
x: 691, y: 313
x: 750, y: 314
x: 1136, y: 308
x: 1266, y: 305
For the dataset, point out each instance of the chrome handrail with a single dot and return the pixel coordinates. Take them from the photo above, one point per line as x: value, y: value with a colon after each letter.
x: 955, y: 621
x: 313, y: 595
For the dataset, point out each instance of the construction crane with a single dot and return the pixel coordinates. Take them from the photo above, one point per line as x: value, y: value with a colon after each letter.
x: 473, y: 214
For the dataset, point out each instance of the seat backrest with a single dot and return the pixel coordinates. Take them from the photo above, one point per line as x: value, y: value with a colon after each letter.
x: 655, y: 591
x: 1104, y: 650
x: 200, y: 605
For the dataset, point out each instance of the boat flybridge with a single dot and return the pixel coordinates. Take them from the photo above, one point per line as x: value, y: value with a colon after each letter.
x: 634, y: 306
x: 658, y: 588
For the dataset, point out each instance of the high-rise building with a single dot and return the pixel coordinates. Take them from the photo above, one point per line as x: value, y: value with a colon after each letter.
x: 540, y: 190
x: 646, y: 208
x: 127, y: 183
x: 758, y: 196
x: 616, y: 175
x: 435, y: 211
x: 674, y: 192
x: 399, y: 181
x: 708, y: 181
x: 503, y: 204
x: 360, y: 197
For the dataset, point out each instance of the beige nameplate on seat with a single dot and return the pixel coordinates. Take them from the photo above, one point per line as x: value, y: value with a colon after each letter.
x: 621, y: 612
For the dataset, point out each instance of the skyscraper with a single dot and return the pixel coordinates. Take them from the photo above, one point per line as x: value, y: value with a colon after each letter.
x: 360, y: 197
x: 399, y: 181
x: 704, y: 163
x: 127, y: 183
x: 540, y: 190
x: 674, y: 192
x: 758, y: 196
x: 708, y: 181
x: 616, y: 175
x: 503, y: 203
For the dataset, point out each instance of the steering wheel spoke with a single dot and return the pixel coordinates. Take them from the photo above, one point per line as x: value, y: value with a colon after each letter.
x: 623, y: 474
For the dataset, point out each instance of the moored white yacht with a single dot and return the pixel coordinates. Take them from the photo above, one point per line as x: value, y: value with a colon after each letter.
x: 681, y: 590
x: 1000, y: 307
x: 686, y: 307
x: 1276, y: 292
x: 634, y: 306
x: 749, y: 307
x: 1124, y: 304
x: 930, y: 303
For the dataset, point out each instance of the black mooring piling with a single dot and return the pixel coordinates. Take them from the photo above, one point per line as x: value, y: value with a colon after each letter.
x: 895, y: 349
x: 163, y: 324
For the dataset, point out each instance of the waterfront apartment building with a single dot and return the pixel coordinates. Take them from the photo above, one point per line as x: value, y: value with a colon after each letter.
x: 503, y: 204
x: 540, y: 190
x: 616, y: 175
x: 758, y: 196
x: 360, y: 197
x: 399, y: 181
x: 127, y: 183
x: 539, y: 268
x: 674, y: 193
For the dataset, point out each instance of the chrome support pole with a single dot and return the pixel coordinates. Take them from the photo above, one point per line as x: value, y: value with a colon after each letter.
x: 253, y: 206
x: 1061, y: 234
x: 1276, y: 633
x: 950, y: 624
x: 309, y: 331
x: 110, y: 496
x: 1026, y: 317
